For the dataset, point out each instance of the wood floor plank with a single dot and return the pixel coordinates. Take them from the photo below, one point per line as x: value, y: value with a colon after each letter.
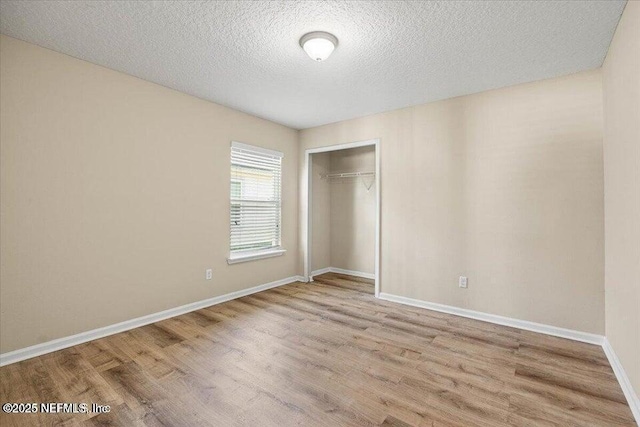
x: 579, y: 404
x: 101, y: 355
x: 575, y: 381
x: 318, y: 354
x: 77, y: 381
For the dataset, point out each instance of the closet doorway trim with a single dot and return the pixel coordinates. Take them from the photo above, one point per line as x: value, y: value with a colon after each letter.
x: 307, y: 229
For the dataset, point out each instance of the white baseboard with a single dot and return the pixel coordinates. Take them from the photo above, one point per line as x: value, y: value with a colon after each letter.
x: 353, y: 273
x: 500, y: 320
x: 321, y: 271
x: 623, y: 379
x: 343, y: 271
x: 61, y: 343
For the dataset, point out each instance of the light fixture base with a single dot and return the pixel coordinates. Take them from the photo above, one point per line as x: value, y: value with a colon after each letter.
x: 318, y: 44
x: 318, y: 35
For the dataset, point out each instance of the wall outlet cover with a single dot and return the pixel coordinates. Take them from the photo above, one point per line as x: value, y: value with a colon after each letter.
x: 462, y: 282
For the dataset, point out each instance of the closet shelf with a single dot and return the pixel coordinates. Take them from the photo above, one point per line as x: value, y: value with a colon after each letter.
x: 348, y: 175
x: 362, y: 175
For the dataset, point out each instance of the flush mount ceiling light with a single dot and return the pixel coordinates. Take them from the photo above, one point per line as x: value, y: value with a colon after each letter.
x: 318, y: 44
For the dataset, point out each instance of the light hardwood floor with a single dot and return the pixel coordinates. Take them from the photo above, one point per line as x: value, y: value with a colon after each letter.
x: 322, y: 354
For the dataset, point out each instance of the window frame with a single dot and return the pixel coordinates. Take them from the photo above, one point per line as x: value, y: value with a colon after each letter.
x: 244, y: 255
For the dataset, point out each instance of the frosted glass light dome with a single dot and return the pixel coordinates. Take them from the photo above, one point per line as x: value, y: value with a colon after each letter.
x: 318, y: 45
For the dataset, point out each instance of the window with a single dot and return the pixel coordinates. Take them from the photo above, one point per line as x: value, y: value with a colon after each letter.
x: 255, y: 203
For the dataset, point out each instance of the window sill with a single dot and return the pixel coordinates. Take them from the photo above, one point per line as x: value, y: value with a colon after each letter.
x: 252, y: 256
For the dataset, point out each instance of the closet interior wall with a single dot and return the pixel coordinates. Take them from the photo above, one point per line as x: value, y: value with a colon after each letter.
x: 343, y: 211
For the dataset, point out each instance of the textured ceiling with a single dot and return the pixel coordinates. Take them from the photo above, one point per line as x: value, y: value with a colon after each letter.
x: 392, y: 54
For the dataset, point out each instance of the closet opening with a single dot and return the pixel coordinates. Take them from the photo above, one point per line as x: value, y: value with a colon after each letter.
x: 343, y: 211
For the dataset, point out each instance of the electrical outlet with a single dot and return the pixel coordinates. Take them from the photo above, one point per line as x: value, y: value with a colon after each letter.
x: 462, y: 282
x: 208, y: 274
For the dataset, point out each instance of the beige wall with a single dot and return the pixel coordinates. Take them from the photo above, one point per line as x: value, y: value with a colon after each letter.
x: 112, y: 186
x: 621, y: 85
x: 353, y: 211
x: 115, y: 196
x: 505, y: 187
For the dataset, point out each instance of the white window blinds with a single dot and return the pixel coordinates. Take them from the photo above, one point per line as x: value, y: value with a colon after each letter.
x: 255, y: 198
